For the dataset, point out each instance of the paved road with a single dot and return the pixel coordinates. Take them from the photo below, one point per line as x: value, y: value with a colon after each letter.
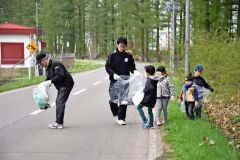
x: 90, y: 132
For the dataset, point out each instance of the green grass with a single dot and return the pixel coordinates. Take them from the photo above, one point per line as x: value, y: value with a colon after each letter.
x: 20, y: 83
x: 186, y: 136
x: 80, y: 66
x: 85, y: 65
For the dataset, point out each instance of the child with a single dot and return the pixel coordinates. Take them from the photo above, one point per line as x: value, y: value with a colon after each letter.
x: 189, y: 95
x: 200, y: 83
x: 149, y: 99
x: 165, y: 91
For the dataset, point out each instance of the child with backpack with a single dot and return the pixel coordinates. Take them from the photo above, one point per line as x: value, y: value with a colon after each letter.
x: 190, y: 96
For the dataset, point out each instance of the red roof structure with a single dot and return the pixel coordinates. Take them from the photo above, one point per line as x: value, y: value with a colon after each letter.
x: 11, y: 28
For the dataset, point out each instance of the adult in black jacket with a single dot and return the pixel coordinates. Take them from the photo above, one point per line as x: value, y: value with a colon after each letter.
x: 58, y: 75
x: 119, y: 63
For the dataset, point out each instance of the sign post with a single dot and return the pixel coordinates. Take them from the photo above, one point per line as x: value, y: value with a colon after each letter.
x: 32, y: 48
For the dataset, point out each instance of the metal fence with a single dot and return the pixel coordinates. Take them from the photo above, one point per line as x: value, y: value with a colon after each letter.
x: 67, y: 58
x: 16, y: 72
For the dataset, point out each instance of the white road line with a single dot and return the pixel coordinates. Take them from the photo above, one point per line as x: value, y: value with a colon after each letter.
x: 98, y: 82
x: 78, y: 92
x: 39, y: 111
x: 36, y: 112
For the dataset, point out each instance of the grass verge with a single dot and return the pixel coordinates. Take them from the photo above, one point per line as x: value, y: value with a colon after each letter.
x: 80, y: 66
x: 197, y: 139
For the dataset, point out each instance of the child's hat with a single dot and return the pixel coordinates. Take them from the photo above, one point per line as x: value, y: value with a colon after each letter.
x: 198, y: 67
x: 150, y: 69
x: 189, y: 77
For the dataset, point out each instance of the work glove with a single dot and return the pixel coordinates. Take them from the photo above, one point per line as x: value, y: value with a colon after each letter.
x: 116, y: 77
x: 47, y: 83
x: 136, y: 72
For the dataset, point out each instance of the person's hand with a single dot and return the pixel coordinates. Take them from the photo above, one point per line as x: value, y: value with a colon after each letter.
x: 172, y: 98
x: 136, y: 72
x: 116, y: 77
x: 47, y: 83
x: 179, y: 101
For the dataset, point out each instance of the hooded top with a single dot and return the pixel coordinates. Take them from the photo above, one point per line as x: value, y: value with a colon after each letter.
x: 150, y: 92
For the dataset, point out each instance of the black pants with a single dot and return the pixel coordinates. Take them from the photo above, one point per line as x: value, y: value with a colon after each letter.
x: 62, y: 97
x: 189, y: 109
x: 119, y: 111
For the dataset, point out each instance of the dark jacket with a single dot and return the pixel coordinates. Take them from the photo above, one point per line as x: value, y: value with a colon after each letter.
x: 150, y: 92
x: 58, y: 74
x: 202, y: 83
x: 119, y: 63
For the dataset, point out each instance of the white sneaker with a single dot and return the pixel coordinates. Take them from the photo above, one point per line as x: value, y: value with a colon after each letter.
x: 115, y: 118
x: 121, y: 122
x: 124, y: 102
x: 56, y: 126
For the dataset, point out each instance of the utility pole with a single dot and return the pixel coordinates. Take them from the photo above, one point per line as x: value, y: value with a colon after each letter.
x: 171, y: 6
x: 37, y: 25
x: 187, y: 38
x: 172, y: 37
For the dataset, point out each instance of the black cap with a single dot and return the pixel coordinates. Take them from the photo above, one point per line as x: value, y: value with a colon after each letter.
x: 189, y: 77
x: 39, y: 57
x: 150, y: 69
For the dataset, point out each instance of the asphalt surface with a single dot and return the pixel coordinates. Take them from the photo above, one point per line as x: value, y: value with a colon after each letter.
x: 90, y: 132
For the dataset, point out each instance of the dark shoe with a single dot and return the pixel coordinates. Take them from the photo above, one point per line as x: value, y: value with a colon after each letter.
x: 147, y: 125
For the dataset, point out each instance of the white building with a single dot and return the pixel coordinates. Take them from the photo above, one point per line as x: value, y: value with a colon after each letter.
x: 13, y: 42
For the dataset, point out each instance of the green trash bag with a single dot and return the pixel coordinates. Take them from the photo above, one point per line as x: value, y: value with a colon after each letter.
x: 40, y: 96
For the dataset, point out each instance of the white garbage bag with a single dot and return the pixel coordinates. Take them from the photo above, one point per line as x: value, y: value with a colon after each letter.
x: 40, y: 95
x: 124, y: 89
x: 138, y: 97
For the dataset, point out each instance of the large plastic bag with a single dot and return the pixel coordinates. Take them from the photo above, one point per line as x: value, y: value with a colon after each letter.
x: 40, y: 96
x: 138, y: 97
x: 124, y: 89
x: 202, y: 92
x: 182, y: 106
x: 202, y: 95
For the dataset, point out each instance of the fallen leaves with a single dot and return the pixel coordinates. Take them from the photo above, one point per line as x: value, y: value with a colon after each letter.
x: 225, y: 115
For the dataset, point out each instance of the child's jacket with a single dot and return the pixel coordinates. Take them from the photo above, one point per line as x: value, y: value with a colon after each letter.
x: 150, y: 92
x: 165, y: 88
x: 190, y: 93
